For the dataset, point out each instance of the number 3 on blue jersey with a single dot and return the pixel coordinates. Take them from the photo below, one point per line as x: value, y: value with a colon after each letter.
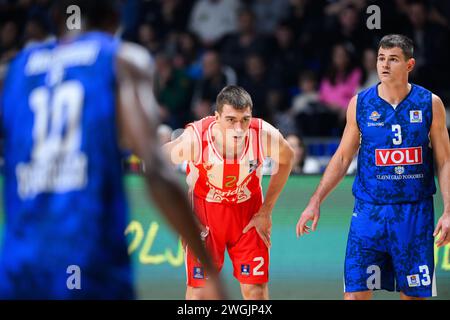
x: 398, y: 134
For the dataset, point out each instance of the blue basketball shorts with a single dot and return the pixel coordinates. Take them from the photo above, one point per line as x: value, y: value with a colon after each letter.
x: 391, y: 247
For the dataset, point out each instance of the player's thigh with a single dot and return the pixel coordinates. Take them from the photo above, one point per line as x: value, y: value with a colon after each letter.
x: 250, y: 258
x: 412, y: 247
x: 368, y: 265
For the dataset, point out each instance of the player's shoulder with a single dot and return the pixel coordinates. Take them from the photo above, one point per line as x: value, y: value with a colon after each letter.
x: 366, y: 93
x: 136, y: 55
x: 265, y: 127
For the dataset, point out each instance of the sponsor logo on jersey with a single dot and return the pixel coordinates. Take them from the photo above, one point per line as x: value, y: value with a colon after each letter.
x: 253, y: 164
x: 398, y: 156
x: 399, y: 170
x: 198, y: 273
x: 245, y: 269
x: 374, y: 116
x: 413, y: 280
x: 415, y: 116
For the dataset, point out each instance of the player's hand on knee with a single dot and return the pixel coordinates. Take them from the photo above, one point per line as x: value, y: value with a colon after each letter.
x: 311, y: 213
x: 263, y: 225
x: 443, y: 228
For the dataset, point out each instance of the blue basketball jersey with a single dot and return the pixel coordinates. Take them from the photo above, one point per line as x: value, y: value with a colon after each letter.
x: 65, y: 206
x: 395, y: 161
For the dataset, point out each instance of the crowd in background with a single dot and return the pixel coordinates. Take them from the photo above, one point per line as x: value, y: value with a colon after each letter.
x: 300, y: 60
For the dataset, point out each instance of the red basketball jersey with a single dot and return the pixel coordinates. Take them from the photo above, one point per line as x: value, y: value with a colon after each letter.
x: 220, y: 180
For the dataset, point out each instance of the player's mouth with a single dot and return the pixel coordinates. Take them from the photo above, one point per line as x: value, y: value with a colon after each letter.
x: 385, y: 73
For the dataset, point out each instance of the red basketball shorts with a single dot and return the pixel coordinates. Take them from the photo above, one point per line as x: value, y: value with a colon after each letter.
x: 248, y: 253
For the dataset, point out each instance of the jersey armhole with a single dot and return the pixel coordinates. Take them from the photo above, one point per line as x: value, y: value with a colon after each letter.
x: 261, y: 150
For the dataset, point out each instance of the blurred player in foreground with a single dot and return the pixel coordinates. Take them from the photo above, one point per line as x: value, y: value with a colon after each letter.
x: 399, y: 129
x: 225, y: 154
x: 67, y: 109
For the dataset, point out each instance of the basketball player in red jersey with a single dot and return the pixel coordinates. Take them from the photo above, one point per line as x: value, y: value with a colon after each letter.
x: 225, y: 153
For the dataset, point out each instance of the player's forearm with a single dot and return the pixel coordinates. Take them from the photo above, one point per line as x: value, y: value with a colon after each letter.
x: 163, y: 182
x: 276, y: 184
x: 444, y: 184
x: 335, y: 171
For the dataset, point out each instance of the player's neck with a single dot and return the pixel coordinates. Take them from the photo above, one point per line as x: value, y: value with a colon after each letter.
x: 228, y: 148
x: 394, y: 93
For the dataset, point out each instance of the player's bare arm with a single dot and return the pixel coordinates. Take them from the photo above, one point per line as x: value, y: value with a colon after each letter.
x: 278, y: 149
x: 335, y: 171
x: 441, y: 151
x: 137, y: 121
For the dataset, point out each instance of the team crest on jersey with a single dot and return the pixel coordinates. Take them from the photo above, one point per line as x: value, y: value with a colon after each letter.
x: 399, y: 170
x: 374, y: 116
x: 415, y: 116
x: 245, y: 269
x: 198, y: 273
x: 253, y: 164
x: 413, y: 280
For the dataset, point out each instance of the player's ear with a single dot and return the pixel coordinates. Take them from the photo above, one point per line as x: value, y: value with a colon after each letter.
x: 216, y: 115
x: 411, y: 63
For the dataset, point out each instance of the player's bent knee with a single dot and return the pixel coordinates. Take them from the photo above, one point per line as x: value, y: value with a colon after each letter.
x: 255, y: 291
x: 361, y: 295
x: 193, y: 293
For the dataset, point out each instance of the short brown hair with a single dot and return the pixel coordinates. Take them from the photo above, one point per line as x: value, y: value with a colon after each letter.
x: 235, y: 96
x: 398, y: 41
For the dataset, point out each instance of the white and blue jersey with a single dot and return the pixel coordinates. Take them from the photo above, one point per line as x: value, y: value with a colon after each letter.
x: 395, y: 162
x: 65, y: 205
x: 390, y: 243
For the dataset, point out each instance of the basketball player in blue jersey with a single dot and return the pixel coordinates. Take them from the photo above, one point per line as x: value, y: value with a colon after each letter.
x: 400, y: 130
x: 67, y: 109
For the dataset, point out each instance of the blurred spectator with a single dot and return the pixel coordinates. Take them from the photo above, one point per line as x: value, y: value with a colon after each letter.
x: 269, y: 13
x: 306, y: 20
x: 173, y: 91
x: 287, y: 58
x: 148, y: 38
x: 349, y: 28
x: 37, y: 31
x: 311, y: 117
x: 203, y: 108
x: 8, y: 41
x: 263, y: 86
x: 336, y: 6
x: 341, y: 81
x: 237, y: 46
x: 369, y: 71
x: 302, y: 163
x: 431, y: 48
x: 175, y: 14
x: 210, y: 20
x: 215, y: 76
x: 188, y: 55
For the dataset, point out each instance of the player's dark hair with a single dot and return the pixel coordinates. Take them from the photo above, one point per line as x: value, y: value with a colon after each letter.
x: 234, y: 96
x: 398, y: 41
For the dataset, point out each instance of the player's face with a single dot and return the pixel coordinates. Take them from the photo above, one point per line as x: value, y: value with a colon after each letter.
x: 234, y: 123
x: 392, y: 65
